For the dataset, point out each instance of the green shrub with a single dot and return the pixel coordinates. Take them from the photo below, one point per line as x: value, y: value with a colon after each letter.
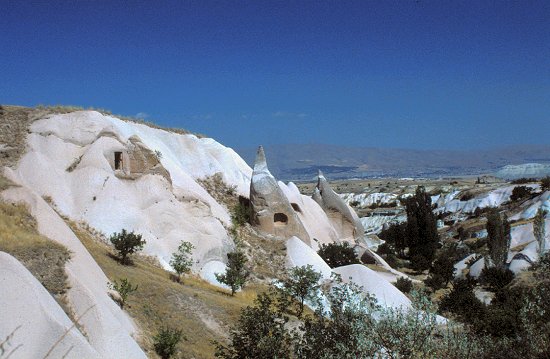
x: 462, y: 302
x: 442, y: 271
x: 338, y: 254
x: 496, y: 278
x: 523, y: 180
x: 165, y: 342
x: 123, y: 288
x: 301, y: 284
x: 181, y: 260
x: 520, y: 192
x: 126, y: 243
x: 404, y: 284
x: 259, y: 333
x: 235, y: 275
x: 545, y: 184
x: 240, y: 214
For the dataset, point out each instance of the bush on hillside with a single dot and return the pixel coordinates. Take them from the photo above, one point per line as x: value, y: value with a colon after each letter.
x: 236, y: 274
x: 126, y: 243
x: 496, y: 278
x: 338, y: 254
x: 240, y: 214
x: 404, y: 284
x: 181, y: 260
x: 259, y: 333
x: 165, y: 342
x: 124, y: 288
x: 301, y: 285
x: 462, y: 302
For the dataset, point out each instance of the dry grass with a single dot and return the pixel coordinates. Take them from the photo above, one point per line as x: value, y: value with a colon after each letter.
x: 219, y: 190
x: 204, y: 312
x: 5, y: 183
x: 61, y: 109
x: 44, y: 258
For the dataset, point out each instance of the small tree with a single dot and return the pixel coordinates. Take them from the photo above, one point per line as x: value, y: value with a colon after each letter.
x: 181, y: 260
x: 498, y: 238
x: 496, y: 278
x: 539, y: 230
x: 395, y: 235
x: 165, y: 342
x: 545, y: 184
x: 338, y: 254
x: 443, y: 269
x: 235, y: 274
x: 301, y: 284
x: 123, y: 288
x: 404, y: 284
x: 260, y: 333
x: 421, y: 230
x: 126, y: 243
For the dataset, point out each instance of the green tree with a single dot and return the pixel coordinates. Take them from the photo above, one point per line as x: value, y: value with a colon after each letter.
x: 462, y: 302
x: 421, y: 230
x: 498, y: 238
x: 338, y: 254
x: 126, y: 243
x: 236, y: 274
x: 260, y: 333
x: 123, y: 288
x: 545, y: 184
x: 395, y: 235
x: 539, y: 230
x: 166, y: 340
x: 496, y: 278
x: 442, y: 271
x: 181, y: 260
x: 301, y: 284
x: 404, y: 284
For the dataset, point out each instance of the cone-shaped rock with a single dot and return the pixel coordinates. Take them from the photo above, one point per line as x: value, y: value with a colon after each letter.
x: 343, y: 217
x: 271, y: 211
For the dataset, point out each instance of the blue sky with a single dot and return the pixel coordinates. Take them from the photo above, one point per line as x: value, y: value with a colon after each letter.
x: 408, y: 74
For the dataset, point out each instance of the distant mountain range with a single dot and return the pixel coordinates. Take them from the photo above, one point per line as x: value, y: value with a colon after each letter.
x: 301, y: 162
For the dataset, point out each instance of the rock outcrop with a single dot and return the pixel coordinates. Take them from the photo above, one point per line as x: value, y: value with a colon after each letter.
x: 343, y: 218
x: 270, y: 209
x: 137, y: 160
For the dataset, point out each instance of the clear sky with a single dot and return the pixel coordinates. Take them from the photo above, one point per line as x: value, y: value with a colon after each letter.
x: 385, y: 73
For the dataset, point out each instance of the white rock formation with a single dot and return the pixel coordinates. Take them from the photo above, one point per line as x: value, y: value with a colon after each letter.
x: 35, y: 319
x: 343, y: 218
x: 299, y: 254
x: 108, y: 328
x: 271, y: 210
x: 71, y: 158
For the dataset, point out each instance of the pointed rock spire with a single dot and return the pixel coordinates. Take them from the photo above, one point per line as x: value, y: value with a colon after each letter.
x: 260, y: 164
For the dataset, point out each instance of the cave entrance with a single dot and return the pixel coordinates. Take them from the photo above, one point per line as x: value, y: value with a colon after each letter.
x: 280, y: 219
x: 118, y: 160
x: 296, y: 207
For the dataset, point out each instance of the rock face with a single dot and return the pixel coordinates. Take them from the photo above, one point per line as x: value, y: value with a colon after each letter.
x: 137, y: 160
x: 117, y: 175
x: 270, y: 209
x: 343, y: 218
x: 36, y: 320
x: 108, y: 329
